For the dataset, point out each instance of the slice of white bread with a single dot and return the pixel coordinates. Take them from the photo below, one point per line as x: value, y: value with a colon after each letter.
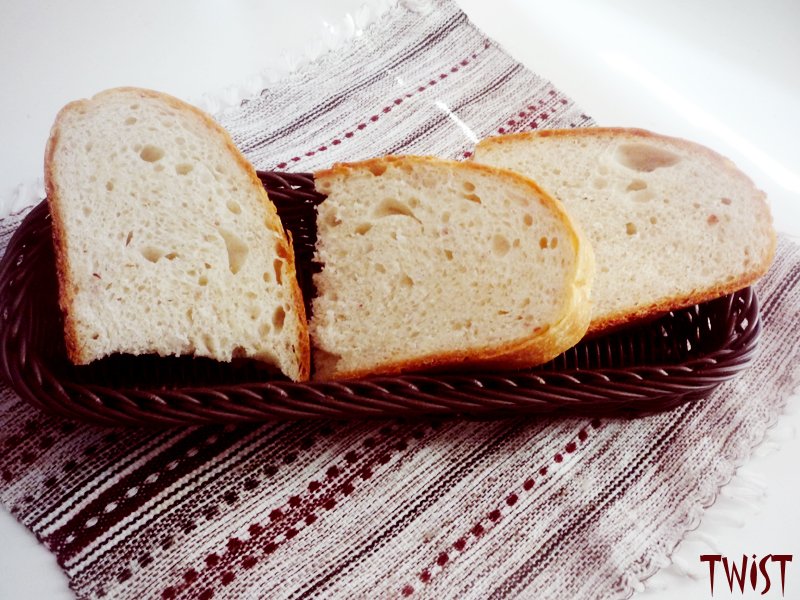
x: 165, y: 240
x: 671, y: 222
x: 429, y: 263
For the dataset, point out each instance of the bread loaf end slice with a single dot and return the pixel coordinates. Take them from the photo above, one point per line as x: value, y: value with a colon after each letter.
x: 165, y: 240
x: 428, y: 263
x: 672, y: 223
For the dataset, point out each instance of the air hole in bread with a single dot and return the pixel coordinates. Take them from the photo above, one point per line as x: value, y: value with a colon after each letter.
x: 281, y: 250
x: 645, y: 158
x: 473, y: 198
x: 363, y: 228
x: 87, y: 210
x: 130, y: 121
x: 500, y: 245
x: 208, y: 342
x: 95, y: 336
x: 264, y: 329
x: 600, y: 183
x: 277, y: 264
x: 238, y: 352
x: 234, y: 207
x: 389, y: 207
x: 152, y: 253
x: 278, y: 318
x: 134, y: 106
x: 653, y: 220
x: 445, y: 217
x: 725, y: 200
x: 331, y: 219
x: 448, y: 254
x: 630, y: 228
x: 171, y: 256
x: 110, y: 186
x: 129, y: 238
x: 528, y: 220
x: 237, y: 250
x: 712, y: 219
x: 202, y: 281
x: 553, y: 242
x: 190, y: 314
x: 380, y: 268
x: 406, y: 281
x: 636, y: 185
x: 543, y: 242
x: 183, y: 168
x: 255, y: 312
x: 151, y: 153
x: 377, y: 168
x: 469, y: 186
x: 88, y: 147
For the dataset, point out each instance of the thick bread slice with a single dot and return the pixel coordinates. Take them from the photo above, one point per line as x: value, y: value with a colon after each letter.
x: 430, y: 263
x: 166, y: 242
x: 671, y: 222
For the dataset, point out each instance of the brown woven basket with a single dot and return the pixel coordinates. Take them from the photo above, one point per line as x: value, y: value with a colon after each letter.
x: 651, y: 367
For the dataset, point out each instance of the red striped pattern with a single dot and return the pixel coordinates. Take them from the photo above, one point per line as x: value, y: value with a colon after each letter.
x: 387, y: 108
x: 461, y: 544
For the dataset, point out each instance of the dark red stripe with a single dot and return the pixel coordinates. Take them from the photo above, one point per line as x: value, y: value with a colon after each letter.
x: 291, y: 441
x: 339, y: 481
x: 384, y: 110
x: 75, y: 535
x: 495, y: 515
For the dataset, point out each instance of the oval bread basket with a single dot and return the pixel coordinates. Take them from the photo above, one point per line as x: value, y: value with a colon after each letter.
x: 651, y: 367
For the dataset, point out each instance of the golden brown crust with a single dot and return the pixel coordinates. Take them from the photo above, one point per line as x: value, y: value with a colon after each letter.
x: 66, y: 297
x: 543, y: 344
x: 638, y: 313
x: 66, y: 294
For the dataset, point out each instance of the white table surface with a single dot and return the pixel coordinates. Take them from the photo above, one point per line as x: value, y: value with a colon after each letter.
x: 722, y: 73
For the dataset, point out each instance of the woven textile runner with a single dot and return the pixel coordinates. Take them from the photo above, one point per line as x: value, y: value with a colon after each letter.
x: 531, y: 508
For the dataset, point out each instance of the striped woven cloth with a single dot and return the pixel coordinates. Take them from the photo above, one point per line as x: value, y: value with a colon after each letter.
x: 531, y: 508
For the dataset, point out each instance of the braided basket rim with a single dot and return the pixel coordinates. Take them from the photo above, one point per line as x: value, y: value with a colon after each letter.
x: 625, y: 385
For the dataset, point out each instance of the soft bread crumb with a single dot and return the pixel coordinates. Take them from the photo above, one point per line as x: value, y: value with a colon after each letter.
x: 429, y: 263
x: 671, y: 222
x: 166, y: 241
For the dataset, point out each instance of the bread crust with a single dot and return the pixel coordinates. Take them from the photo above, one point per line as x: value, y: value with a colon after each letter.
x: 77, y: 353
x: 543, y: 344
x: 652, y: 310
